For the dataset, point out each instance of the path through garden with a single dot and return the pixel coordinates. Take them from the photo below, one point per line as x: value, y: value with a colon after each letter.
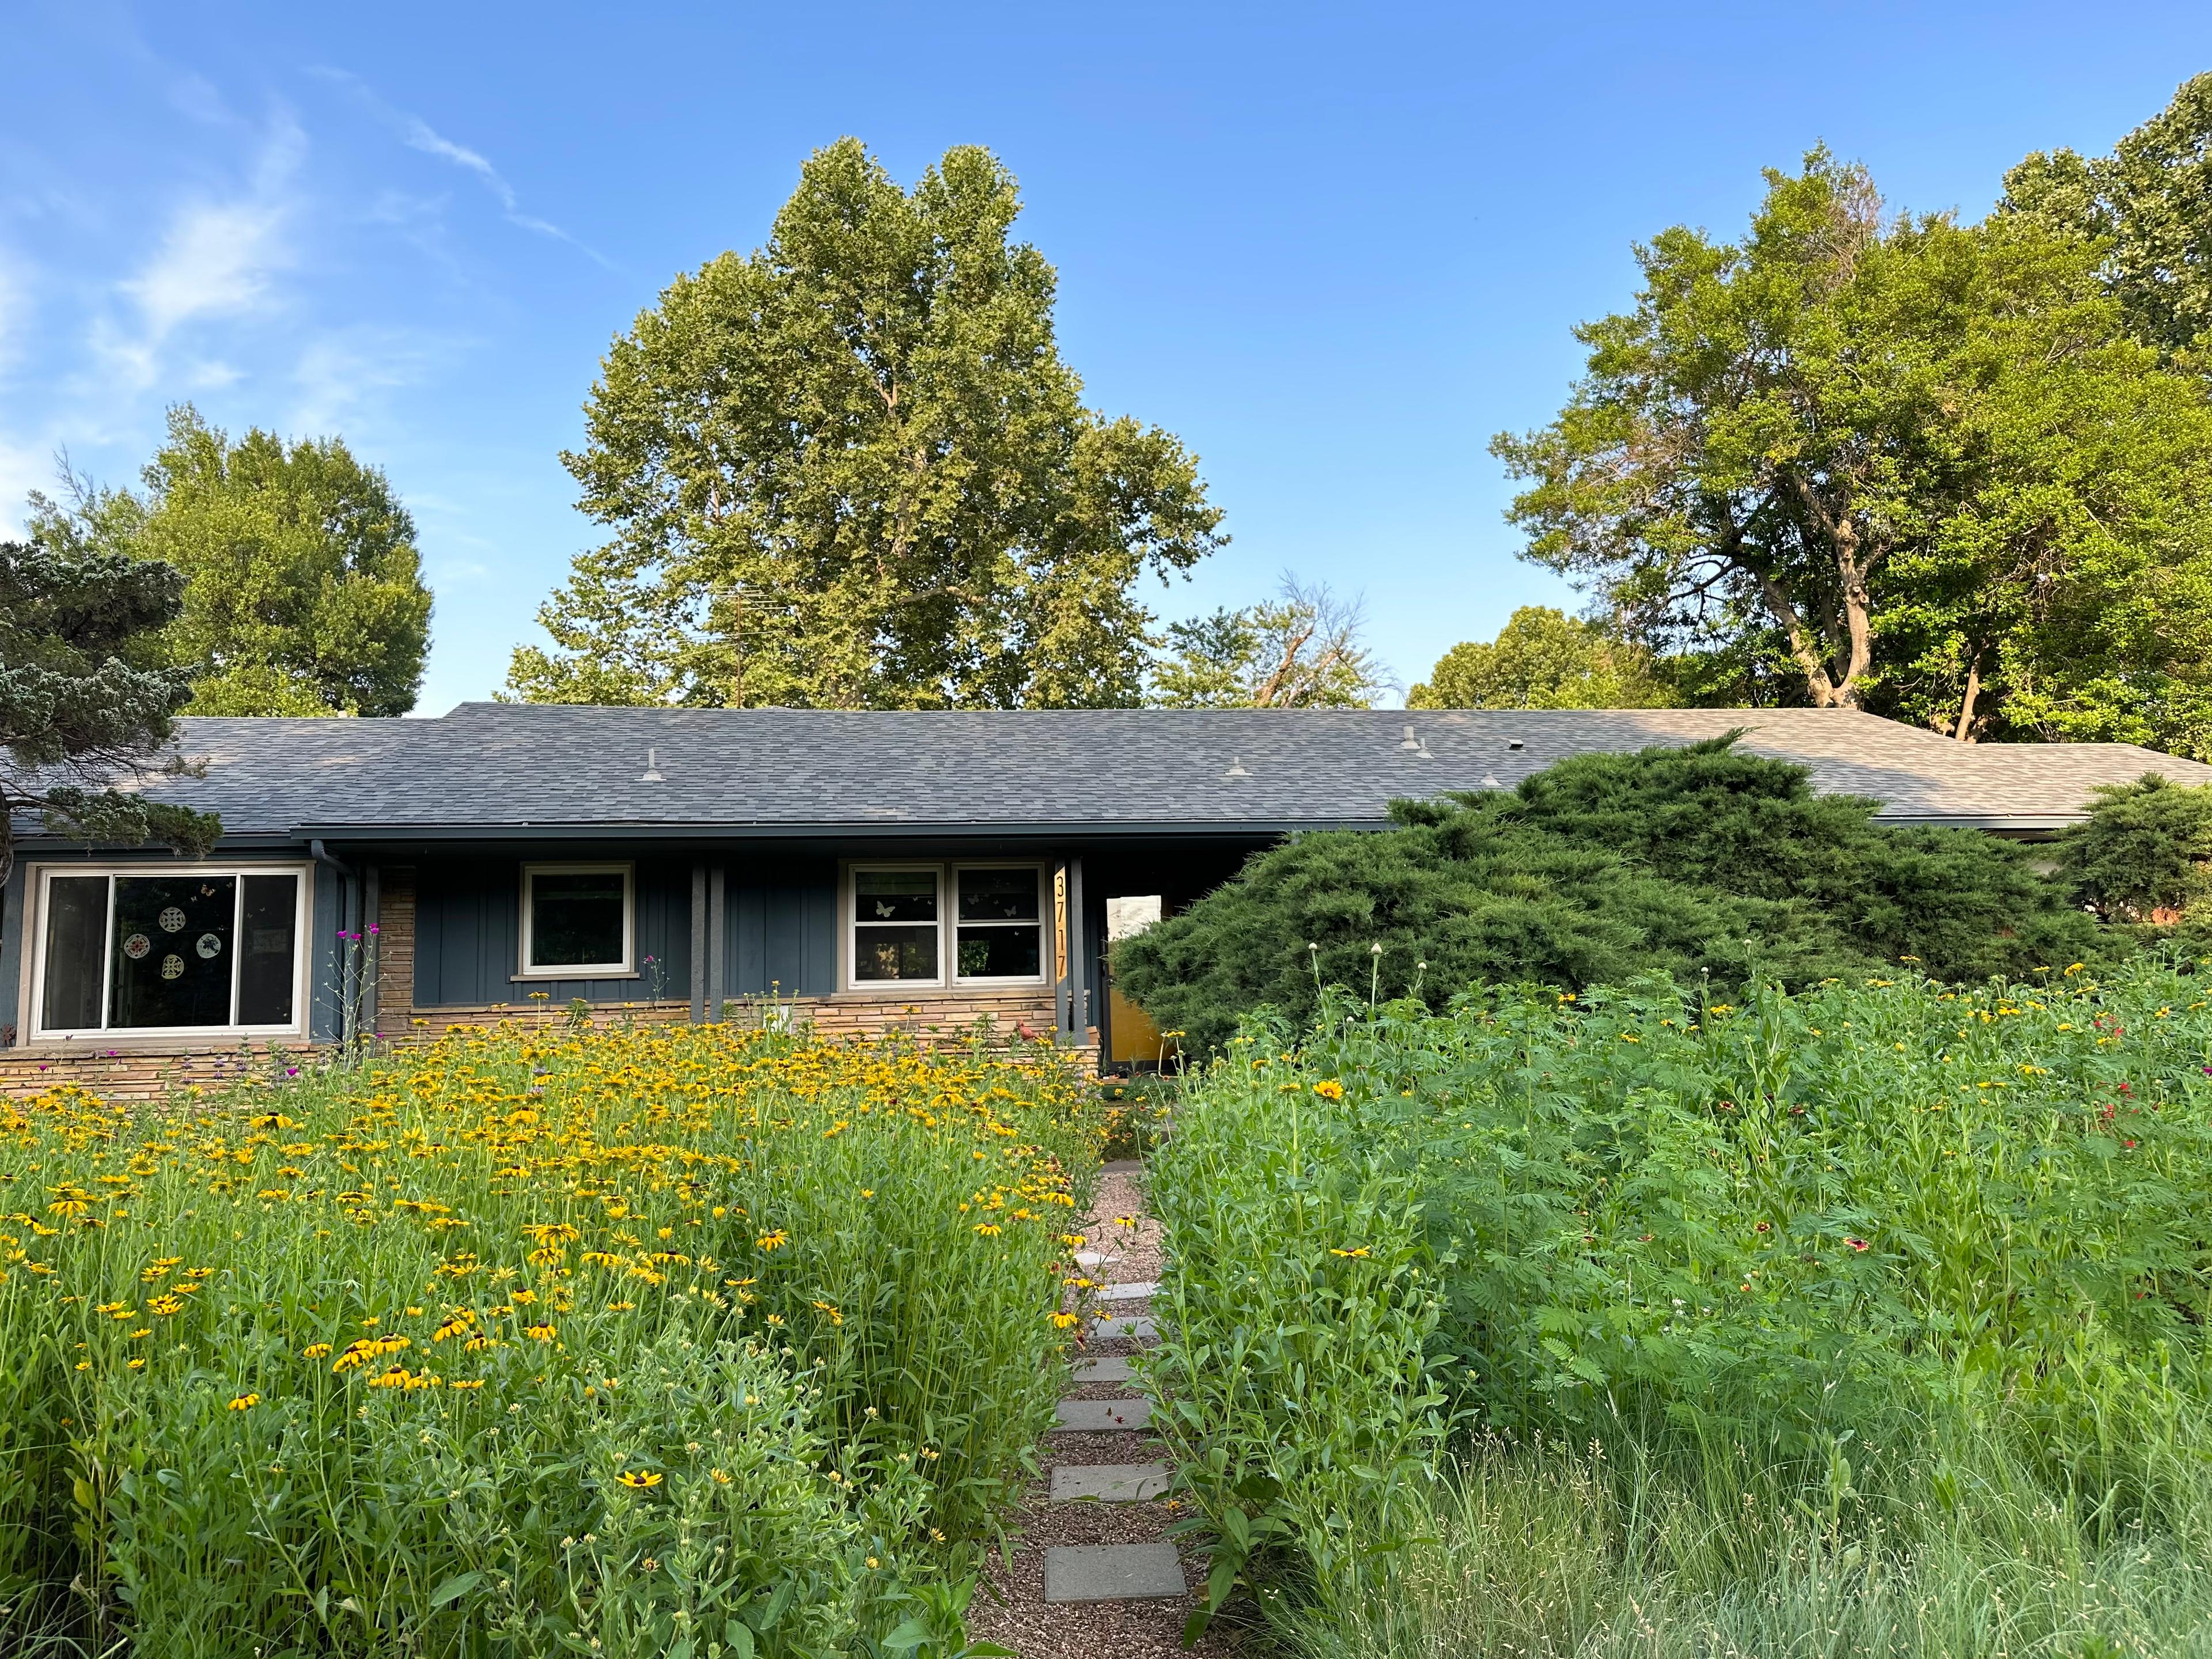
x: 1093, y: 1575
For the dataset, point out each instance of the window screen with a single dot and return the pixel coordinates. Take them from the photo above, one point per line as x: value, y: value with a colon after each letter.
x: 895, y: 924
x: 577, y: 920
x: 268, y: 915
x: 76, y: 940
x: 1001, y: 930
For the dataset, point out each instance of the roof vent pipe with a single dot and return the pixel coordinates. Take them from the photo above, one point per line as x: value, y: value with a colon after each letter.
x: 651, y: 768
x: 1515, y: 743
x: 1410, y: 742
x: 1491, y: 782
x: 1236, y: 769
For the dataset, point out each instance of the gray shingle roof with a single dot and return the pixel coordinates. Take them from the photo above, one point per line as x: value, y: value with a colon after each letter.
x: 491, y: 766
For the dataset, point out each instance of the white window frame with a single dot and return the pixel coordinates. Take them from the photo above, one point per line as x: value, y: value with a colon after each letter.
x: 1043, y: 924
x: 623, y: 970
x: 947, y: 872
x: 38, y: 882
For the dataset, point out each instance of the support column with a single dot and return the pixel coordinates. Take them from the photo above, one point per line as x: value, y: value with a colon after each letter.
x: 698, y: 943
x: 718, y: 912
x: 372, y: 952
x: 1070, y: 990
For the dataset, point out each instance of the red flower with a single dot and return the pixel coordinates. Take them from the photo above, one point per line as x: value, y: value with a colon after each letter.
x: 1857, y: 1244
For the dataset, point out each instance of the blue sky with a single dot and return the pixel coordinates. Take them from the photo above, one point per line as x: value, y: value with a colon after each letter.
x: 1333, y: 249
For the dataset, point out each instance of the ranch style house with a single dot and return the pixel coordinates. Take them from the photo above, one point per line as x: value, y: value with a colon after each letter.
x: 861, y: 870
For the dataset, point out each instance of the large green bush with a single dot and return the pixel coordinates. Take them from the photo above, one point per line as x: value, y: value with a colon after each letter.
x: 1697, y: 859
x: 2147, y: 848
x: 1842, y: 1307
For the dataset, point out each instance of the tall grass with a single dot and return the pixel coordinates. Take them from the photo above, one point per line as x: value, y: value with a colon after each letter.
x: 1878, y: 1292
x: 672, y: 1340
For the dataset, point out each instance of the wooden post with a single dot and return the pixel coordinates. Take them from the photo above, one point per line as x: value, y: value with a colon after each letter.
x: 717, y: 922
x: 698, y: 943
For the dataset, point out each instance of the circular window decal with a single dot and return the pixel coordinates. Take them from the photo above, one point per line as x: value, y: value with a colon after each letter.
x: 209, y: 945
x: 172, y: 920
x: 172, y: 965
x: 136, y: 946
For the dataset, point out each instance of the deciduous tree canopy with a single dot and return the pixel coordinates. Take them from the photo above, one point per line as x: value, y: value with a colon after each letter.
x: 851, y: 470
x: 1300, y: 650
x: 303, y: 591
x: 1926, y: 457
x: 1543, y: 658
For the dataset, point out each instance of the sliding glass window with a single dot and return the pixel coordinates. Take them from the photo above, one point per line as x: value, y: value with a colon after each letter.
x: 193, y: 951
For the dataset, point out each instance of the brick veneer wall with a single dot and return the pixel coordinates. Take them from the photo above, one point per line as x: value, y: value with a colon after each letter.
x: 138, y: 1073
x: 395, y: 948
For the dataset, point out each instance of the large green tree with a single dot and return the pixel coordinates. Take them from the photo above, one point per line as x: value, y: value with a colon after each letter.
x: 2148, y: 205
x: 86, y: 701
x: 1302, y: 649
x: 1926, y: 457
x: 1543, y: 658
x: 303, y: 590
x: 851, y: 470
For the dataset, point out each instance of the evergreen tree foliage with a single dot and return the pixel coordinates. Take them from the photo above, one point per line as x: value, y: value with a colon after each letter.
x: 850, y: 470
x: 2145, y: 854
x: 1700, y: 860
x: 85, y: 701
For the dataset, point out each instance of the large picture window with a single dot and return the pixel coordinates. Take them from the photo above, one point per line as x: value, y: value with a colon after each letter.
x: 178, y: 950
x: 932, y: 924
x: 577, y: 920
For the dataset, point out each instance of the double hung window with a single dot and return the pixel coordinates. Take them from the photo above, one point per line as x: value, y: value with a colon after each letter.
x: 960, y: 924
x: 195, y: 951
x: 577, y: 920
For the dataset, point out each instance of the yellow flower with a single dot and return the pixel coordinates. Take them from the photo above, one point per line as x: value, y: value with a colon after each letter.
x: 314, y: 1351
x: 246, y: 1402
x: 137, y: 1365
x: 1358, y: 1253
x: 1329, y: 1089
x: 641, y: 1482
x: 989, y: 1228
x: 1062, y: 1320
x: 773, y: 1241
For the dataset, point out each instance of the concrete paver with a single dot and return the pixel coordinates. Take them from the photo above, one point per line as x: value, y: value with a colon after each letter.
x: 1112, y: 1572
x: 1089, y: 1416
x: 1109, y: 1483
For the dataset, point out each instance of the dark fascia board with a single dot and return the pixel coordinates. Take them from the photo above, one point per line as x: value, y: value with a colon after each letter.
x: 870, y: 829
x: 362, y: 834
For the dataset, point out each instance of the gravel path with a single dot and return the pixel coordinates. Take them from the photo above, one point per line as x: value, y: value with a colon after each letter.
x: 1010, y: 1608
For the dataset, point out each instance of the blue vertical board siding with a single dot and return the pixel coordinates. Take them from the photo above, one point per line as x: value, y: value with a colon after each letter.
x: 780, y: 929
x: 468, y: 936
x: 326, y: 966
x: 14, y: 973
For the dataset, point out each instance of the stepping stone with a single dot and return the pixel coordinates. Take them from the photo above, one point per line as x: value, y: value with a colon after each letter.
x: 1092, y: 1259
x: 1141, y: 1327
x: 1091, y: 1416
x: 1112, y: 1572
x: 1109, y: 1483
x: 1115, y: 1369
x: 1123, y: 1166
x: 1136, y: 1291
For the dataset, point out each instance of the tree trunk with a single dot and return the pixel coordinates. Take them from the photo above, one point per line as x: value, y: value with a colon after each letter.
x: 1803, y: 650
x: 1963, y: 731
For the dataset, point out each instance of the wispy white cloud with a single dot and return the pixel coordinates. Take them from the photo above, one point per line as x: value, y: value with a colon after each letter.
x: 340, y: 379
x: 17, y: 305
x: 218, y: 258
x: 419, y: 135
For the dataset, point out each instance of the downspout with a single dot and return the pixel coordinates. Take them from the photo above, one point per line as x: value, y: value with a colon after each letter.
x: 346, y: 877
